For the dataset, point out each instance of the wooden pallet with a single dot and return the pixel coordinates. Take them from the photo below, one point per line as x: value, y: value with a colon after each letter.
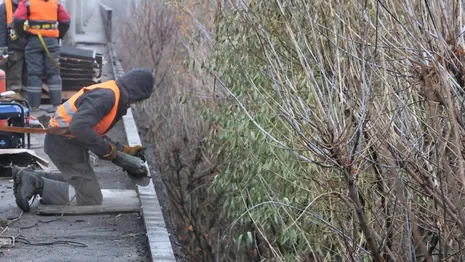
x: 114, y: 201
x: 65, y: 95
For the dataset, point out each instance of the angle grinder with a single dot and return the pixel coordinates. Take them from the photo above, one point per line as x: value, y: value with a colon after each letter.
x: 134, y: 166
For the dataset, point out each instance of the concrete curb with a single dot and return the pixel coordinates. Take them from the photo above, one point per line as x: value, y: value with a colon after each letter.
x: 157, y: 234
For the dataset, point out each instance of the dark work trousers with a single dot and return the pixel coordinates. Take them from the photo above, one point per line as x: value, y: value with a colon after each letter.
x: 77, y: 176
x: 15, y: 71
x: 38, y: 62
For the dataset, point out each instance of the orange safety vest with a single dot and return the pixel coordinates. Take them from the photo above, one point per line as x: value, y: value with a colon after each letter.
x: 43, y: 17
x: 9, y: 13
x: 65, y: 112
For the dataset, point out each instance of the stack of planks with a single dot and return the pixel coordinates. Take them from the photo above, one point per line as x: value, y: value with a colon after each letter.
x: 79, y: 68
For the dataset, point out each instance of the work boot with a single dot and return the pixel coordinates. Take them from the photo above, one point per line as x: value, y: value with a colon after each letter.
x: 26, y: 185
x: 52, y: 109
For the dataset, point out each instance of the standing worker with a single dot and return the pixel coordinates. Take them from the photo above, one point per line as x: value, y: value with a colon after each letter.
x: 80, y: 125
x: 13, y: 45
x: 44, y: 22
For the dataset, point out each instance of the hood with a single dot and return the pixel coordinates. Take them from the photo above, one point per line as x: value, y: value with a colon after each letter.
x: 138, y: 83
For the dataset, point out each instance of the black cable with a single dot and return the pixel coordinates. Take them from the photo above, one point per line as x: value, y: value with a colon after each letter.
x: 58, y: 242
x: 23, y: 240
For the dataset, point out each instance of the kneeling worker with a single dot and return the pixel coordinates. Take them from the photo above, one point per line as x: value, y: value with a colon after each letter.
x: 80, y: 125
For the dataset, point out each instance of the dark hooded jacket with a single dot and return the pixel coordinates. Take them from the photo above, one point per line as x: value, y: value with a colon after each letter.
x: 94, y: 105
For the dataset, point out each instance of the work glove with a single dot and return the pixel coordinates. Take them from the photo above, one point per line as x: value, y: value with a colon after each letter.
x: 3, y: 50
x: 112, y: 154
x: 18, y: 97
x: 137, y: 150
x: 133, y: 150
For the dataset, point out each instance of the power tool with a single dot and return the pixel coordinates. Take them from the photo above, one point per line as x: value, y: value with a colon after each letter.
x: 15, y: 147
x: 14, y: 113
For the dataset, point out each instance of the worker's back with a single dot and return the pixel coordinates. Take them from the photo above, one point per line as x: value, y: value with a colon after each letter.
x: 45, y: 22
x: 42, y: 17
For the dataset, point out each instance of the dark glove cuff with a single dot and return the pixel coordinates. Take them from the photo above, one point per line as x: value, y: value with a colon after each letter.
x: 119, y: 146
x: 111, y: 155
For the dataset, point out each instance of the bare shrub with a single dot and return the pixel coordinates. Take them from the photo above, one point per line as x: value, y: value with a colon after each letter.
x: 359, y: 105
x: 344, y: 141
x: 165, y: 36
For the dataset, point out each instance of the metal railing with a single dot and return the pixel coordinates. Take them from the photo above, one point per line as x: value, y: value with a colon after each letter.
x: 107, y: 15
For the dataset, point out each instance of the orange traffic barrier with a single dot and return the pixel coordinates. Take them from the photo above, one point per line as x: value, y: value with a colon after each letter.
x: 3, y: 89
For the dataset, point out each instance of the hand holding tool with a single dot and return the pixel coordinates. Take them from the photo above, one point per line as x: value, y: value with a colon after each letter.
x: 137, y: 150
x: 111, y: 155
x: 131, y: 164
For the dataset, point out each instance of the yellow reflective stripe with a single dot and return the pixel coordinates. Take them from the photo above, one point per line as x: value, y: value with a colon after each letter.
x: 43, y: 26
x: 68, y: 110
x: 61, y: 122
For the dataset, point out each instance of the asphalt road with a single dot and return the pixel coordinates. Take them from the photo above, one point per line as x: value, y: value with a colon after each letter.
x: 117, y: 237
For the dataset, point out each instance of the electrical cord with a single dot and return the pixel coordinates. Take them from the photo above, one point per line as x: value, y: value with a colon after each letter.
x: 22, y: 239
x: 43, y: 127
x: 58, y: 242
